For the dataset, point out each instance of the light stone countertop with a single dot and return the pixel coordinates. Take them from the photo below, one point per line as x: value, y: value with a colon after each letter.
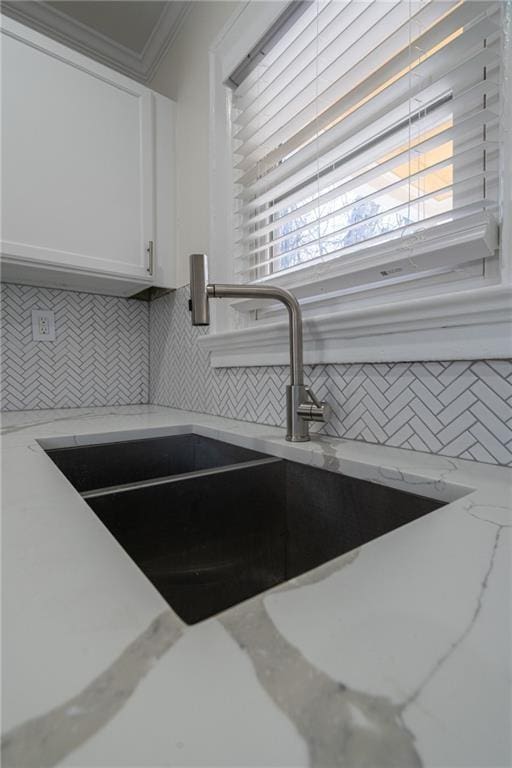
x: 395, y: 654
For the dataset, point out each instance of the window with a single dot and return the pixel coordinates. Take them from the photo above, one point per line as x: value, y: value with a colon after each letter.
x: 365, y: 145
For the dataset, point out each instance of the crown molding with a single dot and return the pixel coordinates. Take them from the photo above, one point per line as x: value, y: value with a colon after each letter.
x: 49, y: 21
x: 163, y: 35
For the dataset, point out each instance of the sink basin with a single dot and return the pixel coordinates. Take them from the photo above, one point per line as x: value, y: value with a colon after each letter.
x: 91, y: 467
x: 212, y: 537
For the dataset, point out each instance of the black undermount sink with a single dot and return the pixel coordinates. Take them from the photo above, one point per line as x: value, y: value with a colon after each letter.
x: 212, y: 524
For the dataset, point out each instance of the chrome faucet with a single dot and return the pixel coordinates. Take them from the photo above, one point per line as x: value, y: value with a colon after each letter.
x: 301, y: 404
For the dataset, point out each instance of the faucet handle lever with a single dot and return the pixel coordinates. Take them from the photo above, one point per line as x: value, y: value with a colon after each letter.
x: 314, y: 399
x: 315, y: 409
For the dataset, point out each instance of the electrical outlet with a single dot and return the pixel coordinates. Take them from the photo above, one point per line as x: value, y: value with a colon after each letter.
x: 43, y: 325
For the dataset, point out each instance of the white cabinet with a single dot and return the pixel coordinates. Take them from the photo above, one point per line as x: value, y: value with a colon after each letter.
x: 87, y: 171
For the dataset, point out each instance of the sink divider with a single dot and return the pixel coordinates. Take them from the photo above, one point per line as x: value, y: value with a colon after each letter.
x: 95, y: 492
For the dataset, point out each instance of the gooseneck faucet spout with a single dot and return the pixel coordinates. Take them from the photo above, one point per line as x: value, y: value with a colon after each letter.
x: 221, y: 291
x: 302, y: 405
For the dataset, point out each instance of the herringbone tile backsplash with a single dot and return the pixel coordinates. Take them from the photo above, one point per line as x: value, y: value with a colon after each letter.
x: 99, y: 356
x: 458, y: 409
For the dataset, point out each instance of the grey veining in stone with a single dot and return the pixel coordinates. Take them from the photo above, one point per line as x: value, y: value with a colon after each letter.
x: 358, y: 654
x: 44, y: 741
x: 467, y: 629
x: 340, y: 726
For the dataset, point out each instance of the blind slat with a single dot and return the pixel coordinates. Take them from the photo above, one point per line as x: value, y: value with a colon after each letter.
x: 264, y: 82
x: 291, y: 46
x: 284, y: 196
x: 401, y: 91
x: 322, y: 200
x: 363, y: 143
x: 366, y: 120
x: 468, y: 181
x: 388, y: 237
x: 254, y: 220
x: 363, y: 78
x: 474, y: 182
x: 375, y: 118
x: 302, y: 72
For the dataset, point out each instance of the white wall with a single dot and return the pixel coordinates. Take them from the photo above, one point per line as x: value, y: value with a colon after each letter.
x: 183, y: 75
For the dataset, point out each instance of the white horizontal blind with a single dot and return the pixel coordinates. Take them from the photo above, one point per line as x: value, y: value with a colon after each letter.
x: 366, y: 122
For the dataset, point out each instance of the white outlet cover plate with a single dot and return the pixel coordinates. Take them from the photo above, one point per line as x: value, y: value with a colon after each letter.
x: 43, y: 325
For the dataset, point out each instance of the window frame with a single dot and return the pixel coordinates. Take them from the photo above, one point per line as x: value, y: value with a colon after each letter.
x: 471, y: 319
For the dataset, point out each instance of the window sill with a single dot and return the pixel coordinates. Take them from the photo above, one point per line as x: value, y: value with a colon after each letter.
x: 469, y: 325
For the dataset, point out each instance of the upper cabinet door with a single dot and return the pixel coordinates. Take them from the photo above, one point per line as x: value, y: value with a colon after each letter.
x: 78, y: 160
